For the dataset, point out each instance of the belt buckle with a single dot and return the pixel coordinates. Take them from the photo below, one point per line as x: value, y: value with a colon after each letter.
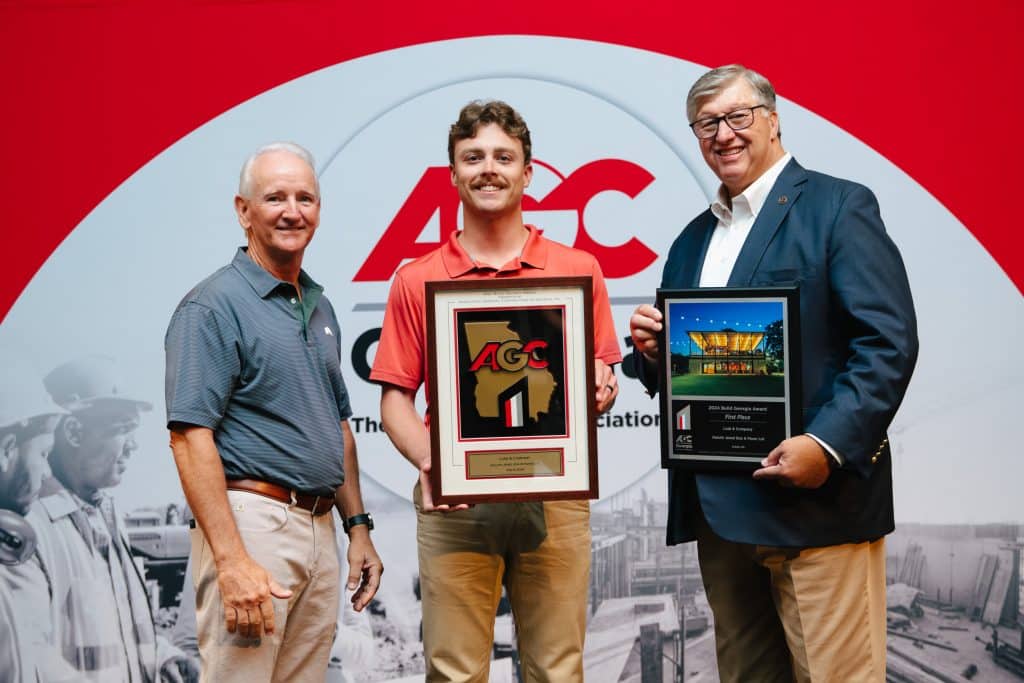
x: 314, y: 508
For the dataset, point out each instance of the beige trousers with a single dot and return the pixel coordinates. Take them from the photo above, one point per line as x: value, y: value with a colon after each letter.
x: 540, y: 552
x: 790, y: 614
x: 300, y: 553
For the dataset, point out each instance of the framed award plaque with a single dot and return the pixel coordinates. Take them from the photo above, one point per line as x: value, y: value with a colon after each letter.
x: 511, y: 365
x: 729, y: 375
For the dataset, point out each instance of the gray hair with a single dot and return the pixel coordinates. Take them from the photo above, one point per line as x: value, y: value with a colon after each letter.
x: 245, y: 177
x: 717, y: 80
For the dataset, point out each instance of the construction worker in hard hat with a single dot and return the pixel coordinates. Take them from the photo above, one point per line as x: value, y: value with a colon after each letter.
x: 101, y: 613
x: 27, y: 420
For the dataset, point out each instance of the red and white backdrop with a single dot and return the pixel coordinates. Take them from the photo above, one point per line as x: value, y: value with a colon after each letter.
x: 125, y: 124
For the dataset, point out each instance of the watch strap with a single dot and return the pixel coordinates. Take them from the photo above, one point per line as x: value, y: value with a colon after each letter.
x: 356, y: 520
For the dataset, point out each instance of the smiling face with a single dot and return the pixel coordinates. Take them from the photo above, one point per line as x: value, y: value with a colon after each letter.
x: 281, y: 210
x: 739, y: 157
x: 490, y: 172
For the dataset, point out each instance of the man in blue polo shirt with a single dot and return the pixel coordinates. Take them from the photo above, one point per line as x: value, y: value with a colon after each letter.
x: 258, y: 414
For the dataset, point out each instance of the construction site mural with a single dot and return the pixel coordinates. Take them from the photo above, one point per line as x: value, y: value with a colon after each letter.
x: 94, y: 528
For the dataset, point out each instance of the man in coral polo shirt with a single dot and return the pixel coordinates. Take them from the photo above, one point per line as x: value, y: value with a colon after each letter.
x: 539, y: 551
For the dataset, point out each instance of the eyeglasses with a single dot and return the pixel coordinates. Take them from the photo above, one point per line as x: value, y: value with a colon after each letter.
x: 737, y: 119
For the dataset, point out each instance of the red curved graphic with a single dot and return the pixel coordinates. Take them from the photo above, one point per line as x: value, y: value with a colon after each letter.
x: 96, y: 89
x: 582, y: 185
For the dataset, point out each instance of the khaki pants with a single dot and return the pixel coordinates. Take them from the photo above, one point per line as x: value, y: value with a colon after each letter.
x: 790, y: 614
x: 300, y: 552
x: 542, y: 555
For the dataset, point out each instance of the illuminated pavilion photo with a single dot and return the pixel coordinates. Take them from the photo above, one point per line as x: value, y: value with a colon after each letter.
x: 726, y: 348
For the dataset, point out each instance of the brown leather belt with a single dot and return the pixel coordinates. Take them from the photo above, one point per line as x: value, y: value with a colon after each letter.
x: 318, y: 505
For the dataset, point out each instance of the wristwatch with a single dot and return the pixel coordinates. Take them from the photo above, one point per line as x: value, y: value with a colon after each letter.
x: 356, y: 520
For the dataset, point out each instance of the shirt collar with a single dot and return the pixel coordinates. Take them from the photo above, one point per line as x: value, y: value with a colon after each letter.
x: 754, y: 196
x: 458, y: 263
x: 56, y: 500
x: 262, y: 282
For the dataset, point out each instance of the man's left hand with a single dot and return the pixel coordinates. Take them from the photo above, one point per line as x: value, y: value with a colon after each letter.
x: 606, y: 384
x: 182, y: 669
x: 798, y: 461
x: 364, y: 567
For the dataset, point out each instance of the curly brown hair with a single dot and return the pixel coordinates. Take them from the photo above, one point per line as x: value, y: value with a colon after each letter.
x: 479, y: 113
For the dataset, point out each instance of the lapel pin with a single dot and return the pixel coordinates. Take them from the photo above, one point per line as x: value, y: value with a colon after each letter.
x: 783, y: 199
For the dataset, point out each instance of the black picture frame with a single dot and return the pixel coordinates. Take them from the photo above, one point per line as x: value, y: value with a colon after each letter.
x: 729, y: 375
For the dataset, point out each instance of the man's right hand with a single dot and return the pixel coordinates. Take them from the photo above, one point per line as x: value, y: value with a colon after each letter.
x: 246, y: 590
x: 644, y: 327
x: 427, y: 496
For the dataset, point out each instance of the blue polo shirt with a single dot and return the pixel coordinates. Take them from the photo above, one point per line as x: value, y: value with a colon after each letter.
x: 259, y: 366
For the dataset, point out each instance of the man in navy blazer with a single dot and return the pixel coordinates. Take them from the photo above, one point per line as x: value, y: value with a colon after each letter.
x: 793, y: 557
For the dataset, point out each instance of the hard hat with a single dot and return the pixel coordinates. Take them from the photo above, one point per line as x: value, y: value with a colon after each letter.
x: 87, y: 382
x: 22, y: 396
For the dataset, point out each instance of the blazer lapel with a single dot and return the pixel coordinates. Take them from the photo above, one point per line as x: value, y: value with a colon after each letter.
x: 689, y: 273
x: 782, y: 196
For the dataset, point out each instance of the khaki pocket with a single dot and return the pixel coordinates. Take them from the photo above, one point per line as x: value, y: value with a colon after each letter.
x: 256, y: 513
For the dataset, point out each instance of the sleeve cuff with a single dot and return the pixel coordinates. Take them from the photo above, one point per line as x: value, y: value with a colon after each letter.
x: 828, y: 449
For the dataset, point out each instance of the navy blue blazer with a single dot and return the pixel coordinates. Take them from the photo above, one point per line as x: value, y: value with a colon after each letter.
x: 859, y: 347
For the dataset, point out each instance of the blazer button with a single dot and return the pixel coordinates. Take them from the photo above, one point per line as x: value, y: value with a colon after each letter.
x: 874, y: 459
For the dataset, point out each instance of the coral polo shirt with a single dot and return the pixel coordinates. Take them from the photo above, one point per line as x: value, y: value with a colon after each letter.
x: 401, y: 357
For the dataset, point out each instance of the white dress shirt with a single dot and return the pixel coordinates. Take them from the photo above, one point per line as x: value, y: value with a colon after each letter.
x: 735, y: 219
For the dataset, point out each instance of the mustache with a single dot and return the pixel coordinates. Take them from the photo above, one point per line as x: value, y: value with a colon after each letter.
x: 497, y: 182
